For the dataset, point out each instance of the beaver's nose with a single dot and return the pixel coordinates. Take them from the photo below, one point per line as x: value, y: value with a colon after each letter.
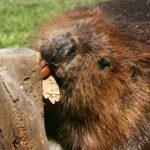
x: 58, y: 49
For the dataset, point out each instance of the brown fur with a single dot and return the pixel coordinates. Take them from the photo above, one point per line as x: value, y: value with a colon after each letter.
x: 99, y: 108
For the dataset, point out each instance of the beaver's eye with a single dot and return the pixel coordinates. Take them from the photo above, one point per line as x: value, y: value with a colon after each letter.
x: 103, y: 63
x: 133, y: 70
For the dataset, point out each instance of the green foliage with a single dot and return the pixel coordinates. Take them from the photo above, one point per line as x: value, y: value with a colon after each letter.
x: 19, y: 19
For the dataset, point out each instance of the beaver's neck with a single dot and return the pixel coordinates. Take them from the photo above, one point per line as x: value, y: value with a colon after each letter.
x: 114, y: 112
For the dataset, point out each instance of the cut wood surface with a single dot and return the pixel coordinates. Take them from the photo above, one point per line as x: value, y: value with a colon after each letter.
x: 21, y: 105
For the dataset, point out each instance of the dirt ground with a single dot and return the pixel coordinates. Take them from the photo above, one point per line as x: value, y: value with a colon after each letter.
x: 132, y: 15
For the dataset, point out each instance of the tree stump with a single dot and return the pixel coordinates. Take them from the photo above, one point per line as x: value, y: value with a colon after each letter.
x: 21, y: 105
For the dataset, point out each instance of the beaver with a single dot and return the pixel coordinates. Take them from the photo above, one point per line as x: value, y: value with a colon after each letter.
x: 103, y: 74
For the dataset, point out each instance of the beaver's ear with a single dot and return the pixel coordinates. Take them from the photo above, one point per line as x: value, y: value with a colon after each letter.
x: 104, y: 63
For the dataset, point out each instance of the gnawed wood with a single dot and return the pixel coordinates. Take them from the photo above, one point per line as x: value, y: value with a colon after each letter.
x: 51, y: 90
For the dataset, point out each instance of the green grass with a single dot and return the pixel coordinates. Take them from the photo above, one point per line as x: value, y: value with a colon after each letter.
x: 19, y: 19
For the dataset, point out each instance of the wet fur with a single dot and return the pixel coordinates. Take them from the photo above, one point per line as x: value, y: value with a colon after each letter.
x: 100, y: 108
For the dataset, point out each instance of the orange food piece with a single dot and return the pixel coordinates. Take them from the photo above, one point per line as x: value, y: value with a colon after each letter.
x: 46, y: 72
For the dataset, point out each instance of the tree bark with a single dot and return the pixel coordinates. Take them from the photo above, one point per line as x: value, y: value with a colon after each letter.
x: 21, y: 105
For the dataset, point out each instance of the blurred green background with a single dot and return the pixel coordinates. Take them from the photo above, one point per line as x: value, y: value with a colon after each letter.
x: 19, y: 19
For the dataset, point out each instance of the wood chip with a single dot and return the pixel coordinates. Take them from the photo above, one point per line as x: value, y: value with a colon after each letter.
x: 51, y: 90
